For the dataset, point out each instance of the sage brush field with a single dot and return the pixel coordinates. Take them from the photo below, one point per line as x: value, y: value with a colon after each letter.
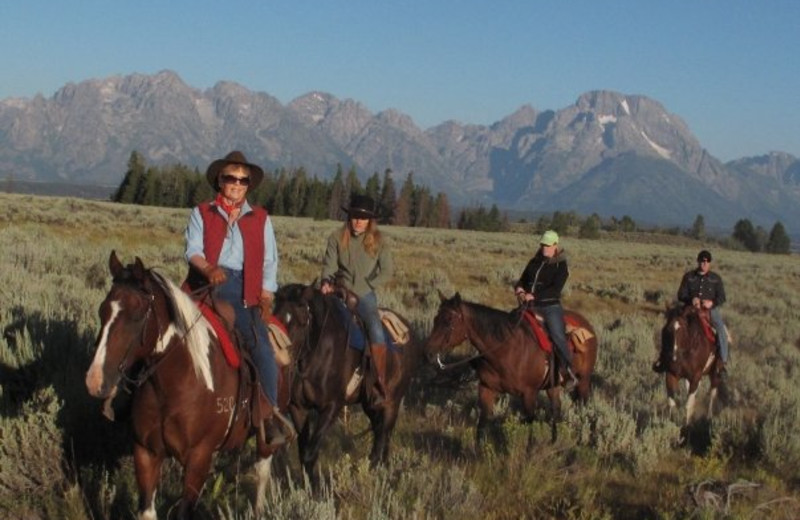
x: 617, y: 457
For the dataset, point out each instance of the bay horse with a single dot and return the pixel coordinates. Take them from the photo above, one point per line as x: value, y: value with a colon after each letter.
x: 188, y: 401
x: 325, y: 363
x: 509, y: 359
x: 688, y: 351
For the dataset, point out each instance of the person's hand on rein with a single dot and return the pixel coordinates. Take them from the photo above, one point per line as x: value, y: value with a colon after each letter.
x: 214, y: 274
x: 265, y: 307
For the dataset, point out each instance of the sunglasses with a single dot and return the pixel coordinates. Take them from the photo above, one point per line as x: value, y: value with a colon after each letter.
x: 233, y: 179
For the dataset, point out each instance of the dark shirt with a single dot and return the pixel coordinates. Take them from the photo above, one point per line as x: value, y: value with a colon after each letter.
x: 545, y: 278
x: 704, y: 286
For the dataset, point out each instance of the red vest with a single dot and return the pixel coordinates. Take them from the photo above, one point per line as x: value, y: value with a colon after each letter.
x: 251, y: 225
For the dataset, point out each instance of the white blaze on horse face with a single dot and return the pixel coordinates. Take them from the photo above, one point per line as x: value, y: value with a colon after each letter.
x: 94, y: 376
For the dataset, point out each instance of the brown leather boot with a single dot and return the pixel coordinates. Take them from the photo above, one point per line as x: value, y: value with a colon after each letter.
x: 378, y: 352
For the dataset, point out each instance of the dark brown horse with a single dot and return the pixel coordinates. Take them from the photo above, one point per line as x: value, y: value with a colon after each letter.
x: 688, y: 352
x: 510, y: 360
x: 188, y: 401
x: 325, y: 364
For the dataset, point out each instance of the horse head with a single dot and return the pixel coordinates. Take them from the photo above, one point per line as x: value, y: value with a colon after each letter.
x: 449, y: 328
x: 124, y: 317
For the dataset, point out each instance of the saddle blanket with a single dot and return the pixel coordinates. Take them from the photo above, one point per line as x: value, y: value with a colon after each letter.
x: 358, y: 336
x: 228, y: 350
x: 576, y: 334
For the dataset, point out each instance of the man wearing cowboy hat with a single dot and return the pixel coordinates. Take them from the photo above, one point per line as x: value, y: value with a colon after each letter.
x: 230, y: 245
x: 359, y: 260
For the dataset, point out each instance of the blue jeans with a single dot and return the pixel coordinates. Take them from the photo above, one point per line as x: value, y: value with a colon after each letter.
x: 368, y: 311
x: 722, y: 334
x: 252, y: 328
x: 554, y: 319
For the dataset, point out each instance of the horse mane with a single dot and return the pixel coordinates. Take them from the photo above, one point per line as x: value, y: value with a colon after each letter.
x: 499, y: 324
x: 189, y: 324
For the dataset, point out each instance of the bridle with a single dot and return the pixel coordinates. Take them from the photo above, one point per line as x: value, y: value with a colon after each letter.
x: 151, y: 366
x: 451, y: 329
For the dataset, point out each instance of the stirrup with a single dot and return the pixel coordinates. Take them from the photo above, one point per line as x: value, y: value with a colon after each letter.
x: 354, y: 383
x: 286, y: 424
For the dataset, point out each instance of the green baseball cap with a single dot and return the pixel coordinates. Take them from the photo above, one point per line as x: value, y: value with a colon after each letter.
x: 549, y: 238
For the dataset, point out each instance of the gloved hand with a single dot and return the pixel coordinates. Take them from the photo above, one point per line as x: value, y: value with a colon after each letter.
x: 215, y: 275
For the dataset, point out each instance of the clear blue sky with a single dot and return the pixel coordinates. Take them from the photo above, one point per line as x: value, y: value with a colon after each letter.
x: 729, y: 68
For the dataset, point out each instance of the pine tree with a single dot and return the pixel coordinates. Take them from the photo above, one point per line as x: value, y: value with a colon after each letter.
x: 388, y: 198
x: 698, y: 228
x: 402, y: 209
x: 441, y: 212
x: 339, y: 197
x: 131, y: 183
x: 373, y: 187
x: 745, y: 233
x: 778, y: 242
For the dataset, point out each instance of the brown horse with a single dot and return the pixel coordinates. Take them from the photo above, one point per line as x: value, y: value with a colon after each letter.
x: 687, y: 352
x: 510, y: 360
x: 325, y: 364
x: 188, y: 401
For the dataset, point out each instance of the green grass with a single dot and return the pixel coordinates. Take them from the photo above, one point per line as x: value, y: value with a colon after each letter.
x: 615, y: 458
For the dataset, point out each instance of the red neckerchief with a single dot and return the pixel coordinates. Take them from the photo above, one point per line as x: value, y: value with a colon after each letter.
x: 227, y: 208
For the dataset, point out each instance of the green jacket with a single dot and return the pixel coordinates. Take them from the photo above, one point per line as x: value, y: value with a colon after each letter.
x: 353, y: 267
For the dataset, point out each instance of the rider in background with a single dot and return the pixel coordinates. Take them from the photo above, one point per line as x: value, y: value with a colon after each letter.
x: 540, y: 286
x: 231, y: 245
x: 703, y: 289
x: 358, y: 259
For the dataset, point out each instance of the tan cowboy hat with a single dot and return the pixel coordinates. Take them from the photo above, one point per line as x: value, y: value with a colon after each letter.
x: 361, y: 206
x: 235, y: 157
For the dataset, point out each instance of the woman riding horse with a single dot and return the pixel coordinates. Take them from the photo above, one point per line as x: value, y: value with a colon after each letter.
x: 190, y: 399
x: 324, y: 363
x: 231, y: 246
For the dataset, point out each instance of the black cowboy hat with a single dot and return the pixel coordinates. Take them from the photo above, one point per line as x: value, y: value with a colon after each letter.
x: 361, y: 206
x: 235, y: 157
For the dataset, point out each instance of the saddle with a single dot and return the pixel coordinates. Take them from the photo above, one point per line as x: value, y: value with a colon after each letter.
x: 708, y: 329
x: 397, y: 332
x: 577, y: 336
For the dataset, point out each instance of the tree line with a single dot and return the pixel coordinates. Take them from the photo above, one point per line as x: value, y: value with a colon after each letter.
x: 295, y: 193
x: 290, y: 193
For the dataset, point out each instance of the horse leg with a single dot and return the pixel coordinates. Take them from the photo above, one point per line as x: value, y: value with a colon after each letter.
x: 486, y: 400
x: 691, y: 399
x: 148, y: 472
x: 263, y: 469
x: 382, y: 422
x: 195, y: 473
x: 672, y: 389
x: 311, y: 442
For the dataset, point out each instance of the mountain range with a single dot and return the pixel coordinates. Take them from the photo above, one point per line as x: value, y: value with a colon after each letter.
x: 608, y: 153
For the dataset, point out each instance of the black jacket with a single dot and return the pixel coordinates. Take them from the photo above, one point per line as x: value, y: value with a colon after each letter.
x: 545, y: 278
x: 704, y: 286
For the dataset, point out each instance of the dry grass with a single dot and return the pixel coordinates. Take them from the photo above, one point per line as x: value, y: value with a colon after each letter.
x: 616, y: 458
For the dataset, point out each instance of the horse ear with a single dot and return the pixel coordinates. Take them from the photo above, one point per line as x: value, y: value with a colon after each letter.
x: 457, y: 297
x: 138, y: 268
x: 442, y: 297
x: 114, y: 265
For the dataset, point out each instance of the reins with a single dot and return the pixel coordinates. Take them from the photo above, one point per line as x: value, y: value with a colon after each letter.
x: 152, y: 367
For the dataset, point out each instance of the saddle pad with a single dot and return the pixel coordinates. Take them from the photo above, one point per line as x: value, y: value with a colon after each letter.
x: 228, y: 350
x: 280, y: 341
x: 395, y: 326
x: 708, y: 329
x: 538, y: 330
x: 357, y: 334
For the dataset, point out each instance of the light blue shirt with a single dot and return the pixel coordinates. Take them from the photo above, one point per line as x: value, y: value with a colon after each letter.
x: 232, y: 254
